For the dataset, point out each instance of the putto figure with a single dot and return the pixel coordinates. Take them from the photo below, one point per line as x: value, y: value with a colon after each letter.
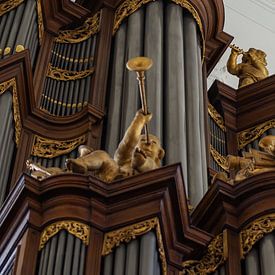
x: 251, y: 69
x: 134, y: 154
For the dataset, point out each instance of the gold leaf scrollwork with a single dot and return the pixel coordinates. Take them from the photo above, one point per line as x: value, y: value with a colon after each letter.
x: 40, y: 21
x: 16, y: 112
x: 9, y: 5
x: 216, y: 117
x: 256, y: 231
x: 130, y: 6
x: 215, y: 256
x: 90, y: 27
x: 48, y: 148
x: 78, y: 229
x: 128, y: 233
x: 65, y: 75
x: 219, y: 159
x: 247, y: 136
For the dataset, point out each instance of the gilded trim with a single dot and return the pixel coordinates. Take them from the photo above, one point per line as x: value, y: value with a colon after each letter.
x: 90, y: 27
x: 128, y: 7
x: 128, y: 233
x: 9, y: 5
x: 40, y: 21
x: 255, y: 231
x: 16, y: 111
x: 65, y: 75
x: 49, y: 148
x: 219, y: 159
x: 215, y: 256
x: 247, y: 136
x: 78, y: 229
x: 216, y: 117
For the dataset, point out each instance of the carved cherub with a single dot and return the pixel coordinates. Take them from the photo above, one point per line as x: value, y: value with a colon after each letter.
x: 134, y: 154
x: 252, y: 163
x: 251, y: 69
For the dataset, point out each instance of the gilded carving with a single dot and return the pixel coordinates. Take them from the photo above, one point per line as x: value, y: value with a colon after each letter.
x: 40, y: 21
x: 252, y: 68
x: 78, y: 229
x: 247, y: 136
x: 128, y: 233
x: 254, y: 162
x: 219, y: 159
x: 90, y: 27
x: 65, y: 75
x: 215, y: 256
x: 16, y: 111
x: 9, y: 5
x: 216, y: 117
x: 48, y: 148
x: 256, y: 231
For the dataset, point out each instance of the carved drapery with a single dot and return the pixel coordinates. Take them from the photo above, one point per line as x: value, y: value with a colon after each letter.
x: 9, y: 5
x: 128, y: 233
x: 215, y: 256
x: 16, y: 112
x: 78, y: 229
x: 247, y: 136
x: 90, y: 27
x: 48, y: 148
x: 255, y: 231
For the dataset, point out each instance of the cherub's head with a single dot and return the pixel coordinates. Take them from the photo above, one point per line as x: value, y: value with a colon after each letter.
x: 267, y: 143
x: 147, y: 156
x: 254, y: 54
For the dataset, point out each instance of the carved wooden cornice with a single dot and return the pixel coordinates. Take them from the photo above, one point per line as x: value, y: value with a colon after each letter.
x: 104, y: 206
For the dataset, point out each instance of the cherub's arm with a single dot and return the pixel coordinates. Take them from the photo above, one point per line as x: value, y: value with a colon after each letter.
x: 232, y: 65
x: 125, y: 148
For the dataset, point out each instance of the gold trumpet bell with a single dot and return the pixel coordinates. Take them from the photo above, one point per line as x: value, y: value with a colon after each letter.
x: 139, y: 64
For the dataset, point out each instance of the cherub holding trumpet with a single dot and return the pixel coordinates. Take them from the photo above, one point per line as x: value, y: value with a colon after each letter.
x: 251, y: 69
x: 135, y: 154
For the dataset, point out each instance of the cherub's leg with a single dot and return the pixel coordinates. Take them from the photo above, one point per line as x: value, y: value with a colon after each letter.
x: 76, y: 166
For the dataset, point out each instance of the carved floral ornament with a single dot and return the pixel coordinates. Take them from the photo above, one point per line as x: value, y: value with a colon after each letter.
x: 255, y: 231
x: 128, y: 233
x: 247, y: 136
x: 128, y: 7
x: 78, y: 229
x: 216, y: 255
x: 48, y: 148
x: 5, y: 86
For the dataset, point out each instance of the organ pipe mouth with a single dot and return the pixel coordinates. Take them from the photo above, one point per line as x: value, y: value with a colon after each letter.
x: 7, y: 51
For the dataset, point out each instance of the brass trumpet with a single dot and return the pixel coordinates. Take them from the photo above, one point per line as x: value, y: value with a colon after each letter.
x: 233, y: 46
x: 140, y: 65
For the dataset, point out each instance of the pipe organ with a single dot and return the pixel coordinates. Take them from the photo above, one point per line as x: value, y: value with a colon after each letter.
x: 65, y: 93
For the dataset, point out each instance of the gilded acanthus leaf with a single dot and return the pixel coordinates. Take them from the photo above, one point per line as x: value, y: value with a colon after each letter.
x: 219, y: 159
x: 216, y: 117
x: 49, y: 148
x: 78, y: 229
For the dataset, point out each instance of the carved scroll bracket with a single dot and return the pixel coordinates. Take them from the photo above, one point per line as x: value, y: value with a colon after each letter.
x: 78, y: 229
x: 16, y: 112
x: 128, y: 233
x: 216, y: 255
